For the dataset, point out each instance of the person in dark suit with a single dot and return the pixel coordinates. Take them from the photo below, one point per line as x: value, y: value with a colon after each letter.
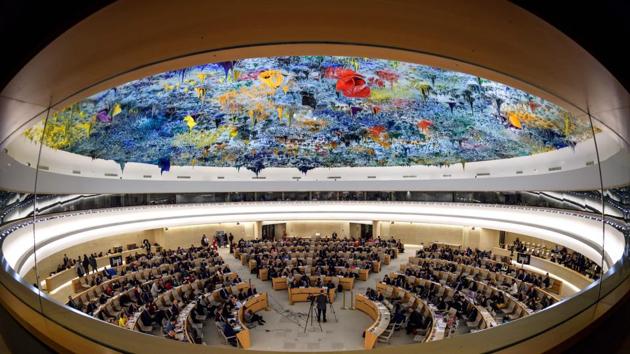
x: 321, y: 301
x: 223, y: 293
x: 415, y: 321
x: 228, y: 331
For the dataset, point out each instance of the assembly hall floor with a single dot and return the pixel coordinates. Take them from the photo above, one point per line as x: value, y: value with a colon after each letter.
x: 286, y: 328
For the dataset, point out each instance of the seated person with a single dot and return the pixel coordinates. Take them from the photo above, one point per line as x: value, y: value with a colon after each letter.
x: 122, y: 319
x: 169, y: 329
x: 251, y: 317
x: 229, y: 333
x: 251, y: 291
x: 223, y: 293
x: 399, y: 315
x: 371, y: 294
x: 318, y: 283
x: 415, y: 321
x: 472, y: 313
x: 146, y: 318
x: 72, y: 303
x: 295, y: 283
x: 380, y: 297
x: 175, y: 308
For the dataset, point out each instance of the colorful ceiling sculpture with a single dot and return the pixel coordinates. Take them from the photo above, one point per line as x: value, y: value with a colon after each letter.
x: 307, y: 112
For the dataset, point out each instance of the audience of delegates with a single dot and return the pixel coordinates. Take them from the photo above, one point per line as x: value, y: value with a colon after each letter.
x: 483, y: 259
x: 275, y: 256
x: 142, y: 296
x: 137, y: 297
x: 525, y: 293
x: 88, y: 264
x: 561, y: 255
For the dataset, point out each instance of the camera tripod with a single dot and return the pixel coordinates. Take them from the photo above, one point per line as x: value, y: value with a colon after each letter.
x: 333, y: 310
x: 310, y: 315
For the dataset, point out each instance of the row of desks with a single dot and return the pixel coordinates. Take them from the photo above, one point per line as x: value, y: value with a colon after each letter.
x: 483, y: 272
x: 254, y: 303
x: 58, y: 279
x: 282, y: 283
x: 302, y: 294
x: 378, y: 312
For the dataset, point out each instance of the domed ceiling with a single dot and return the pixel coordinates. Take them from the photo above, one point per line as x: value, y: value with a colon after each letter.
x: 308, y: 112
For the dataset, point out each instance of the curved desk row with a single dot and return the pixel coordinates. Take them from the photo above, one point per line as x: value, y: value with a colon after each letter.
x: 507, y: 270
x: 302, y: 294
x: 486, y: 320
x: 70, y: 274
x: 183, y: 325
x: 409, y: 300
x: 141, y: 275
x: 522, y: 309
x: 254, y: 303
x: 233, y: 290
x: 281, y: 283
x: 378, y: 312
x: 482, y: 272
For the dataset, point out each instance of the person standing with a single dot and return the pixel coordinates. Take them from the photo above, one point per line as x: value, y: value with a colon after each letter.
x: 204, y: 241
x: 80, y: 269
x: 321, y: 301
x: 231, y: 239
x: 86, y: 263
x: 93, y: 263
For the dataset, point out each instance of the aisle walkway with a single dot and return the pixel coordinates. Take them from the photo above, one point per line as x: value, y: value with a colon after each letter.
x: 284, y: 329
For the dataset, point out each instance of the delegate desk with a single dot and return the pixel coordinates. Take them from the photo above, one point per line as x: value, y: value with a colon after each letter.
x: 364, y: 274
x: 132, y: 323
x: 279, y: 283
x: 346, y: 283
x: 254, y: 303
x: 183, y: 324
x: 302, y: 294
x: 233, y: 290
x: 378, y: 312
x: 263, y: 274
